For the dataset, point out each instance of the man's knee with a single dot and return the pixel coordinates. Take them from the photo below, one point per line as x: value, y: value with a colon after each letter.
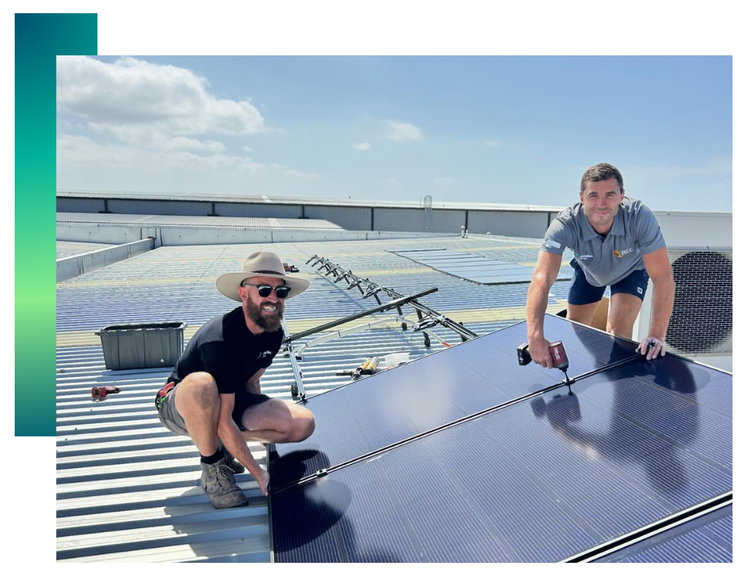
x: 623, y: 312
x: 621, y: 325
x: 304, y: 426
x: 621, y: 328
x: 199, y: 388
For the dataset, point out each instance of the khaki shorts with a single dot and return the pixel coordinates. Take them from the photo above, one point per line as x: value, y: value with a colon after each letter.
x: 167, y: 410
x: 171, y: 419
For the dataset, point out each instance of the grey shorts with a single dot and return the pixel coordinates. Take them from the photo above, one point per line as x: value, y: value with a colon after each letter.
x: 172, y: 420
x: 168, y: 414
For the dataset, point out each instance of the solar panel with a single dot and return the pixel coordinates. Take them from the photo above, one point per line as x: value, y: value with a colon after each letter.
x: 416, y: 470
x: 471, y: 267
x: 399, y: 404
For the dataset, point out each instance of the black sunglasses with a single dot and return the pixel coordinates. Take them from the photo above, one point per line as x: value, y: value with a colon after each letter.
x: 264, y: 290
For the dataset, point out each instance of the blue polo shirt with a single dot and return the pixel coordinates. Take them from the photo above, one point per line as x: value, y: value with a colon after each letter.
x: 606, y: 260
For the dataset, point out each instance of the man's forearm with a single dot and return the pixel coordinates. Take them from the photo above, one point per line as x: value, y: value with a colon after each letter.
x: 233, y: 440
x: 536, y: 305
x: 661, y: 309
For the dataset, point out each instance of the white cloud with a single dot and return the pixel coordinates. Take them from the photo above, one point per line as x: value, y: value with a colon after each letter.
x: 184, y: 143
x: 173, y: 100
x: 75, y: 151
x: 393, y: 182
x: 82, y: 151
x: 147, y: 137
x: 146, y: 117
x: 444, y: 181
x: 361, y: 146
x: 401, y: 131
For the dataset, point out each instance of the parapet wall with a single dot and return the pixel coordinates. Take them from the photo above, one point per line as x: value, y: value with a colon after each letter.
x: 75, y: 265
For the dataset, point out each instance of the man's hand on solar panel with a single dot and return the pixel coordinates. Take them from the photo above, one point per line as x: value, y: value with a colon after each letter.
x: 651, y: 347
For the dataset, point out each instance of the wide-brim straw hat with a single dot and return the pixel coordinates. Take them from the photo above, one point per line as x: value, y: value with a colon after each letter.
x: 260, y: 264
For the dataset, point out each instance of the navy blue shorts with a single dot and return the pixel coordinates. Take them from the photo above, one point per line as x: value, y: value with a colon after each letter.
x: 581, y: 292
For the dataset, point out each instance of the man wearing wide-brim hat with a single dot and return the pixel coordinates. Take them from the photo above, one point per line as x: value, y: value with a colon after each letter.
x: 213, y: 394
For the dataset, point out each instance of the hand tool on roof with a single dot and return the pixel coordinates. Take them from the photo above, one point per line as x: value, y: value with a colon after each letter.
x: 557, y: 353
x: 367, y: 368
x: 99, y: 393
x: 372, y: 366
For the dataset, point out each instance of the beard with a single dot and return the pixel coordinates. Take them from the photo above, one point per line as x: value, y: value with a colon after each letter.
x: 268, y: 323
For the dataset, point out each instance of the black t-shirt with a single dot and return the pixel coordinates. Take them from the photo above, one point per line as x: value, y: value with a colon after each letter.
x: 225, y: 348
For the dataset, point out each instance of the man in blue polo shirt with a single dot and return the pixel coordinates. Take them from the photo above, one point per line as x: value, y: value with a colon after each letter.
x: 616, y: 242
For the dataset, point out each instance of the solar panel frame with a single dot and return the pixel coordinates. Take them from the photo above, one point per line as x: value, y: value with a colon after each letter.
x: 713, y: 519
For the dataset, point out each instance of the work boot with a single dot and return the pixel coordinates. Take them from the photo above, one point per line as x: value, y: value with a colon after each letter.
x: 217, y: 481
x: 228, y: 460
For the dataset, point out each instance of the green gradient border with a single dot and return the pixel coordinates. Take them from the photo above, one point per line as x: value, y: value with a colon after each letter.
x: 39, y: 38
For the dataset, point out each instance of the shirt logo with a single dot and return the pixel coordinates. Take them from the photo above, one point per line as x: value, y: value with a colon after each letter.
x: 586, y: 256
x: 264, y: 354
x: 551, y: 243
x: 623, y: 253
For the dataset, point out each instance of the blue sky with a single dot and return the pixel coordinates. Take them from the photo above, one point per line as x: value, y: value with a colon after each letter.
x: 463, y: 129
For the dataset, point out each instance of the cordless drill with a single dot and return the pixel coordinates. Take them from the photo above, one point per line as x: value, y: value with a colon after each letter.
x: 557, y: 353
x: 99, y: 393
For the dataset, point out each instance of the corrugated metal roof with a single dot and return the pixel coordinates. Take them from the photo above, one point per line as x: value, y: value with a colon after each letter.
x: 127, y: 488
